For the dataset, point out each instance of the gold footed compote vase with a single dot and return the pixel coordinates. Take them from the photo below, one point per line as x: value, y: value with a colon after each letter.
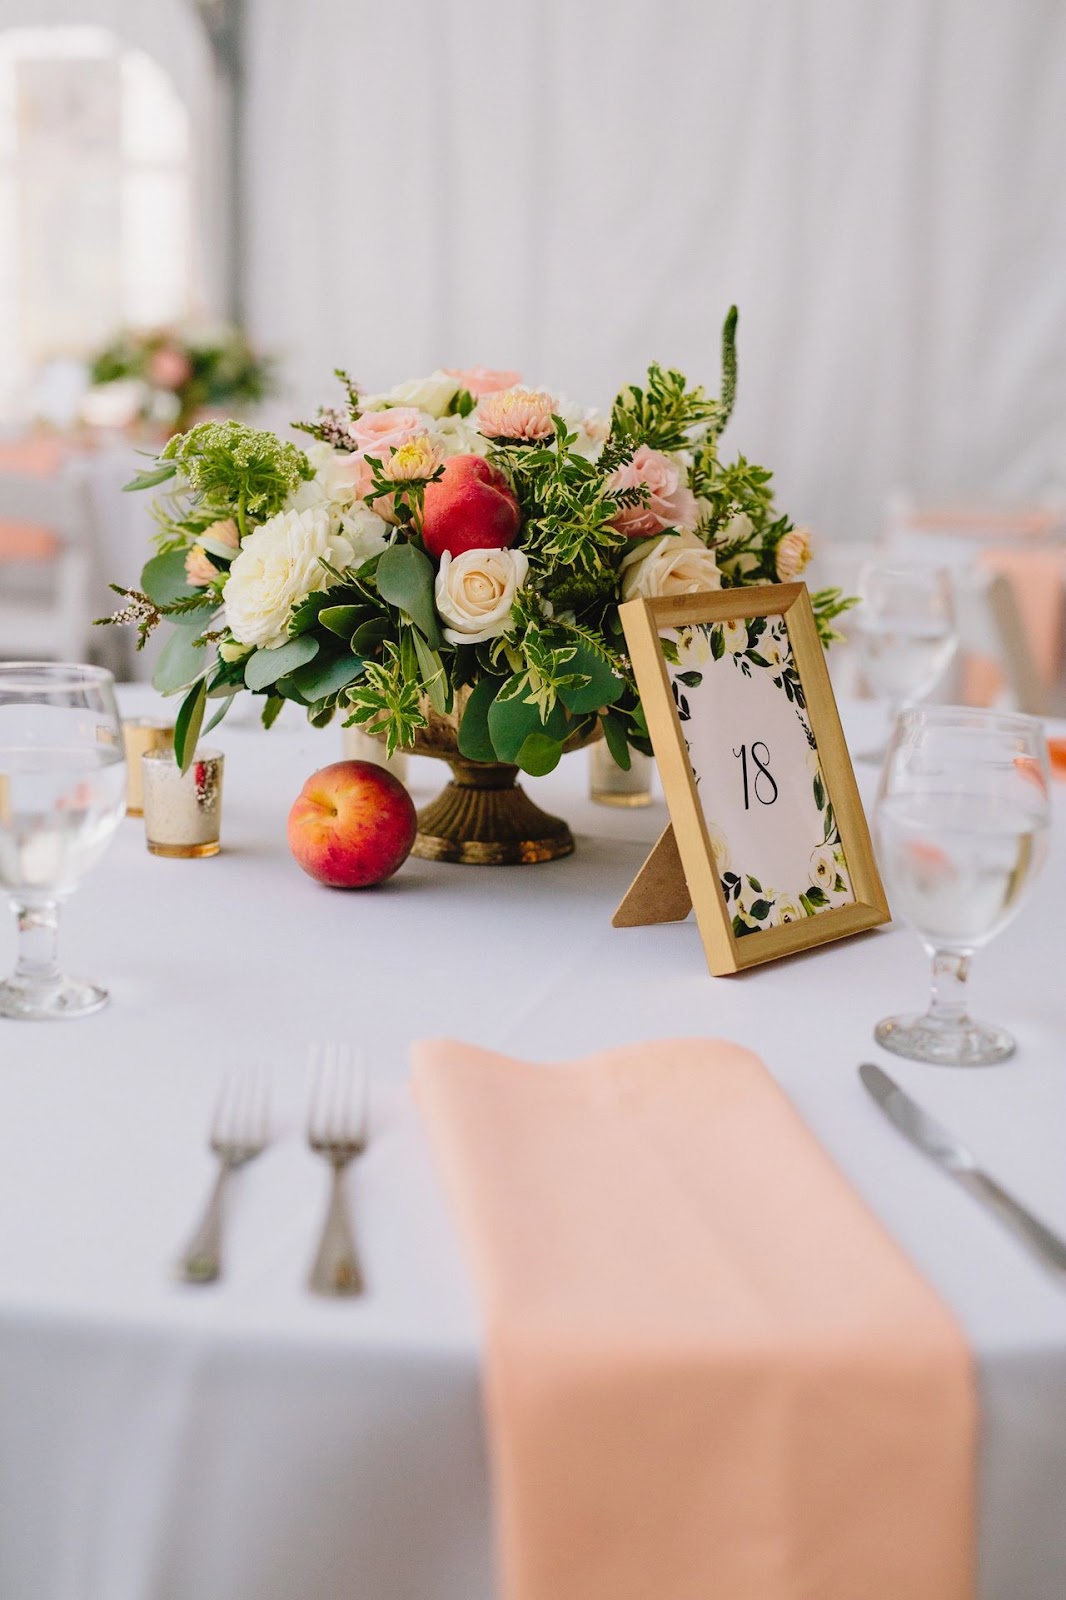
x: 483, y: 817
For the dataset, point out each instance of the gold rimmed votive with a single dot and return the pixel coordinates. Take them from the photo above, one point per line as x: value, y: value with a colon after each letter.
x: 139, y: 735
x: 612, y: 785
x: 182, y: 810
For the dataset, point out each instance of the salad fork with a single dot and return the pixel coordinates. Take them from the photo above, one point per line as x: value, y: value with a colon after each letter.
x: 240, y: 1131
x: 337, y: 1130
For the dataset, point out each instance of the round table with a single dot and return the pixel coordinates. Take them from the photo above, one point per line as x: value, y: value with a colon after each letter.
x: 249, y: 1442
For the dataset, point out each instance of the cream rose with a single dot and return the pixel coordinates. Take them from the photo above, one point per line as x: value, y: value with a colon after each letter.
x: 280, y: 564
x: 475, y: 592
x: 827, y: 867
x: 433, y: 395
x: 678, y: 563
x: 786, y: 908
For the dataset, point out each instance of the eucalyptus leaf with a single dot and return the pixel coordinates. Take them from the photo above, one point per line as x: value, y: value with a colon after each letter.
x: 539, y: 754
x: 221, y: 712
x: 163, y: 579
x: 405, y: 578
x: 267, y: 666
x: 615, y: 734
x: 603, y: 688
x: 475, y: 741
x: 187, y: 725
x: 369, y: 635
x: 321, y: 678
x: 511, y: 721
x: 181, y: 662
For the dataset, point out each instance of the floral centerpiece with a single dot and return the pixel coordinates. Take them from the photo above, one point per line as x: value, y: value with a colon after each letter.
x: 167, y: 376
x: 443, y: 565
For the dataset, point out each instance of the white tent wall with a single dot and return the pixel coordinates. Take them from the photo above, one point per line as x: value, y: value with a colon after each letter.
x: 576, y: 188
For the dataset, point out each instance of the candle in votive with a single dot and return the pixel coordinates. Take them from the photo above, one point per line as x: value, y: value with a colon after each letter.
x: 182, y: 811
x: 360, y: 746
x: 140, y: 734
x: 611, y: 785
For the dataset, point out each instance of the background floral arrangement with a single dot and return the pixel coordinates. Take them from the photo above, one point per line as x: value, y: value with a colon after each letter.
x: 167, y: 375
x: 460, y: 544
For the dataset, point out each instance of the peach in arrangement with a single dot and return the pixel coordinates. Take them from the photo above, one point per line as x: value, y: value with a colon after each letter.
x: 353, y: 825
x: 471, y: 506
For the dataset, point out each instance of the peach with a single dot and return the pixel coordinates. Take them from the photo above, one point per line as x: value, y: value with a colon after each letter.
x: 470, y: 507
x: 353, y: 824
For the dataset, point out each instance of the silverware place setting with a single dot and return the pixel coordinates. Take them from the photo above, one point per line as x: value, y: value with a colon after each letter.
x: 953, y: 1157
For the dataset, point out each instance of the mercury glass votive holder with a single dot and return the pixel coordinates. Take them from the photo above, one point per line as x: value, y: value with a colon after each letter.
x: 139, y: 735
x: 182, y: 810
x: 360, y: 746
x: 611, y: 785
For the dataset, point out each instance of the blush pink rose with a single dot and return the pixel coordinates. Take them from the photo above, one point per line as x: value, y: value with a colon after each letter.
x: 670, y: 503
x: 378, y: 433
x: 516, y: 414
x: 483, y: 380
x: 169, y: 368
x: 356, y: 470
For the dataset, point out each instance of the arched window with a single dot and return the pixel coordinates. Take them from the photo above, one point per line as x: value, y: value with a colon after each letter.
x: 95, y: 202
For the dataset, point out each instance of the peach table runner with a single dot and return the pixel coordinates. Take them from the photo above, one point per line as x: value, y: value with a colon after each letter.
x: 710, y: 1374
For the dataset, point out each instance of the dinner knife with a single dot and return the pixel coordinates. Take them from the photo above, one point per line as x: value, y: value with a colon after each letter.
x: 934, y: 1140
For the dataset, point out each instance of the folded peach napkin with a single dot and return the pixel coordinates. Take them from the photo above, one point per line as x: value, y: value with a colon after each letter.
x: 710, y: 1373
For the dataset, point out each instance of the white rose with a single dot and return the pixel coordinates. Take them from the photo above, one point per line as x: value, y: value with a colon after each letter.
x: 786, y: 908
x: 475, y: 592
x: 366, y: 532
x: 678, y: 563
x: 735, y: 636
x: 827, y: 866
x: 279, y: 564
x: 433, y: 395
x: 693, y: 647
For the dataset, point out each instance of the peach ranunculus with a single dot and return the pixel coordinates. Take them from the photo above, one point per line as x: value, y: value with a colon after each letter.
x: 483, y: 380
x: 225, y: 531
x: 524, y: 414
x: 414, y: 461
x: 169, y: 368
x: 378, y: 433
x: 670, y: 502
x: 793, y: 554
x: 200, y: 570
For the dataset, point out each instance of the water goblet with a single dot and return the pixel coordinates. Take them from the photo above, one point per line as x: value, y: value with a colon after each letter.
x: 905, y: 628
x: 961, y: 821
x: 62, y: 796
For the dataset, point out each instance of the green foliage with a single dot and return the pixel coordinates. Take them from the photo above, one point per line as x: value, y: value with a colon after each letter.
x: 386, y: 701
x: 264, y: 667
x: 187, y: 725
x: 237, y: 471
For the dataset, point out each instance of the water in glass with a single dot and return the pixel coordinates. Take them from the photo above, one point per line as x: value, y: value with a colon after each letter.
x: 62, y: 795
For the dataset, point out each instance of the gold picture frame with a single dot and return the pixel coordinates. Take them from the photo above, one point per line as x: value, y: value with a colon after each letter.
x: 682, y: 872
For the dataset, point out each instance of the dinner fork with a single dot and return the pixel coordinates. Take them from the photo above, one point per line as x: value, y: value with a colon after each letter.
x: 240, y: 1131
x: 336, y: 1130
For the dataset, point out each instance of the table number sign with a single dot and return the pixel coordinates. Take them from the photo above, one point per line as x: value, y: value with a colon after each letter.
x: 768, y: 840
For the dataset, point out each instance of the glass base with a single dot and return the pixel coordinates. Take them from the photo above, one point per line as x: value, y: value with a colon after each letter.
x: 920, y: 1037
x: 185, y: 852
x: 617, y: 797
x: 52, y: 1001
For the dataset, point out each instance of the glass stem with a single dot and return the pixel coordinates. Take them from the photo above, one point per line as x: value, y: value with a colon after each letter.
x: 947, y: 1004
x: 38, y: 942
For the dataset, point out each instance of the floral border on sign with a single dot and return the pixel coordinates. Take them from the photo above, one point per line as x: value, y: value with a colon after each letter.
x: 761, y: 644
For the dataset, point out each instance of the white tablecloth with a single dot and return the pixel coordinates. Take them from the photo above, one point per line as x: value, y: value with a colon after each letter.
x: 247, y: 1442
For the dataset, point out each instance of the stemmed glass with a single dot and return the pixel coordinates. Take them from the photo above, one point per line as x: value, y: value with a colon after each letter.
x: 962, y: 821
x: 905, y: 627
x: 62, y: 795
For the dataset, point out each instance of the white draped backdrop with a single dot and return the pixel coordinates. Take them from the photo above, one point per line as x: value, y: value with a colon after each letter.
x: 574, y: 187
